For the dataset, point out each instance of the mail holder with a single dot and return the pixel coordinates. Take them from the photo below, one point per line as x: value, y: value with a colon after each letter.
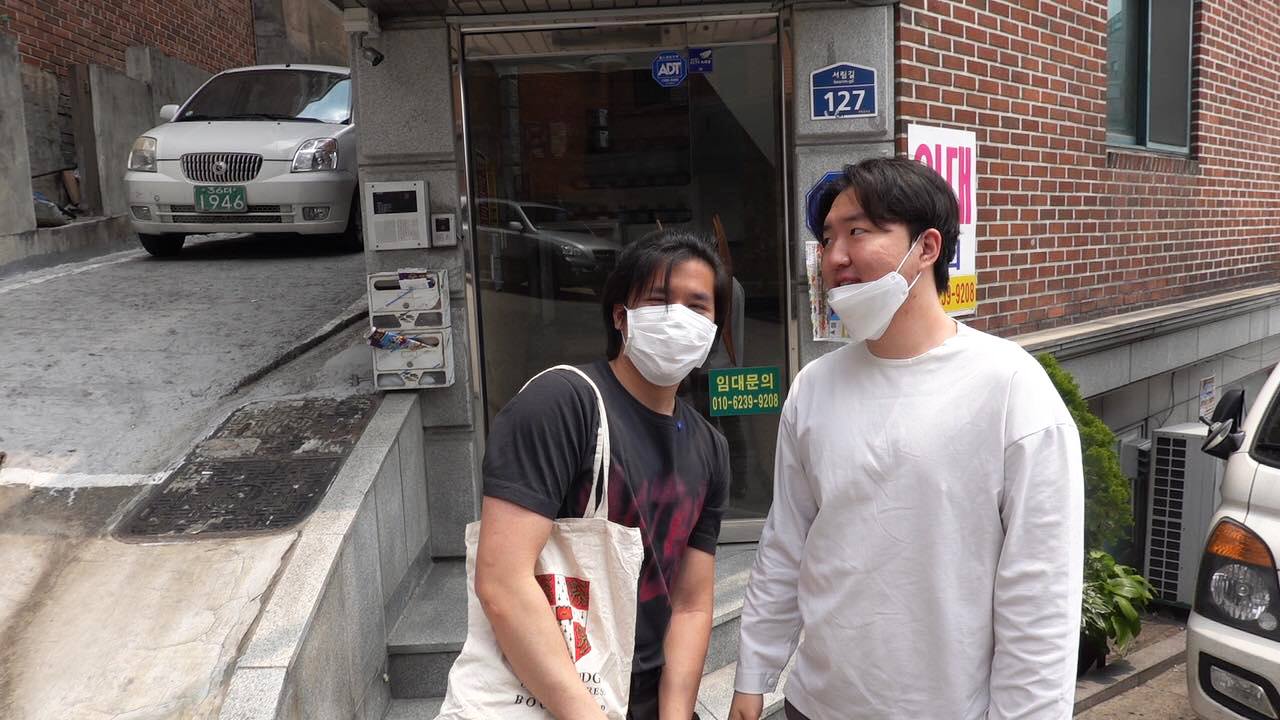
x: 410, y: 329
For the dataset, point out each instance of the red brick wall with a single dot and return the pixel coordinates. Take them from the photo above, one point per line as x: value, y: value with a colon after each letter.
x: 57, y: 34
x: 1069, y: 228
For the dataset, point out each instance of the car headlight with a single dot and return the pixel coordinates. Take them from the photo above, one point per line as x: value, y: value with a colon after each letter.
x: 318, y: 154
x: 570, y: 252
x: 1238, y: 585
x: 142, y: 158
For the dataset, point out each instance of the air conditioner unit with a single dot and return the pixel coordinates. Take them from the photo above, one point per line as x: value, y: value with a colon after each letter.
x: 1185, y: 490
x: 1135, y: 463
x: 1135, y: 455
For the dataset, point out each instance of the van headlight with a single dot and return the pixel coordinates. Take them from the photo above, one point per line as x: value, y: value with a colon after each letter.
x: 318, y: 154
x: 142, y: 158
x: 1238, y: 585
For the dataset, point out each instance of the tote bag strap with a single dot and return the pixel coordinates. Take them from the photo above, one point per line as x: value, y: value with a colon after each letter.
x: 600, y: 465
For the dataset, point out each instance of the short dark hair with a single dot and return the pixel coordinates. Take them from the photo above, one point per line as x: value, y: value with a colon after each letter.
x: 897, y: 190
x: 639, y: 265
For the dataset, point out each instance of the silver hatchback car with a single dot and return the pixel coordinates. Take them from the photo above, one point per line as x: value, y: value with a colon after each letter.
x: 270, y: 148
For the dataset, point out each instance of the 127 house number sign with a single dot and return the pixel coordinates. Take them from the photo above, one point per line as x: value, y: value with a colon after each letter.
x: 843, y: 90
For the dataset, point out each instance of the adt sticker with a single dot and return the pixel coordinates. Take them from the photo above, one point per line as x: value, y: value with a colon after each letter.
x: 842, y: 90
x: 701, y: 60
x: 670, y: 69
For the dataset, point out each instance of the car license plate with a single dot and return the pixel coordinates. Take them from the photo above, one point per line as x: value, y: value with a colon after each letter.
x: 221, y: 199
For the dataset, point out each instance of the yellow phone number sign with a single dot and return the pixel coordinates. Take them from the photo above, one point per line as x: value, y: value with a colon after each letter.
x: 963, y: 295
x: 745, y: 391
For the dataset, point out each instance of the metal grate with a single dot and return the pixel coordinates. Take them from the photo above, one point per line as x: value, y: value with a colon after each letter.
x: 264, y: 469
x: 221, y: 167
x: 1168, y: 492
x: 207, y: 218
x: 252, y: 208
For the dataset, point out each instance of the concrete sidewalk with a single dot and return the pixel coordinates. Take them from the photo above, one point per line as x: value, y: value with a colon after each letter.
x: 1131, y: 671
x: 93, y: 628
x: 1163, y: 697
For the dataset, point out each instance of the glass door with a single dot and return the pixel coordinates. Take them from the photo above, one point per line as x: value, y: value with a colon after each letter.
x: 583, y: 140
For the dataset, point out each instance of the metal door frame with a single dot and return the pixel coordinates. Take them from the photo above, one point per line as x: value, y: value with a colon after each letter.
x: 732, y: 531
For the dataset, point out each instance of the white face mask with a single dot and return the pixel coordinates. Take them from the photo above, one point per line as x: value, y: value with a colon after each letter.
x: 666, y: 342
x: 867, y: 309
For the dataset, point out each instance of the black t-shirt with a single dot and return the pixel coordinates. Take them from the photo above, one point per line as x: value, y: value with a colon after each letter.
x: 669, y: 476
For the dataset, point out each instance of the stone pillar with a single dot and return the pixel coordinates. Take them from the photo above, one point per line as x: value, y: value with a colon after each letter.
x: 405, y: 119
x: 822, y: 37
x: 111, y: 111
x: 171, y: 81
x: 17, y: 214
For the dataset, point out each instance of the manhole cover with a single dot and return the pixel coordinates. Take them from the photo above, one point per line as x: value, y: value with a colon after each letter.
x: 265, y: 468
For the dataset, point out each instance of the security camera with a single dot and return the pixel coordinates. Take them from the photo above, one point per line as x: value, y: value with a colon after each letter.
x: 372, y: 55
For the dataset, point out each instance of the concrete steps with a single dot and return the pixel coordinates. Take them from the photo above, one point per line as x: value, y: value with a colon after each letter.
x: 424, y: 642
x: 417, y: 709
x: 716, y: 694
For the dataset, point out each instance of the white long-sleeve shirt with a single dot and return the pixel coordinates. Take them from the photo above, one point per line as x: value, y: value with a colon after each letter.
x: 926, y: 535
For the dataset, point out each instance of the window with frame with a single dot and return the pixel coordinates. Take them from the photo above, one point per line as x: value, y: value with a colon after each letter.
x: 1149, y: 74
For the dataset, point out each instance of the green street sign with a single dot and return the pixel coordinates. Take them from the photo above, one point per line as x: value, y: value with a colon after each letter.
x: 745, y: 391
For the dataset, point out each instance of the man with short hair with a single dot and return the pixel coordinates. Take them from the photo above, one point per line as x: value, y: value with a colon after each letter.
x: 923, y: 554
x: 669, y: 477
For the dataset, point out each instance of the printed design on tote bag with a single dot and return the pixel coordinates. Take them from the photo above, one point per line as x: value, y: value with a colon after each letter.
x: 570, y: 598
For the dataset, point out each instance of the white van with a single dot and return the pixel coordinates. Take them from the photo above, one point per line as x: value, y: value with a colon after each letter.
x: 1233, y: 634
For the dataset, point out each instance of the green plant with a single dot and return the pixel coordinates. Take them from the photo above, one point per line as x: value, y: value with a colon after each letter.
x: 1114, y: 597
x: 1108, y: 516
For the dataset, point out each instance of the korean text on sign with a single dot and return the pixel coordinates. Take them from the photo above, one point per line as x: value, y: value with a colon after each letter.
x: 745, y: 391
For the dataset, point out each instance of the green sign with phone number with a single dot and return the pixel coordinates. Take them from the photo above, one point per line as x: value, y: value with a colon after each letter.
x: 745, y: 391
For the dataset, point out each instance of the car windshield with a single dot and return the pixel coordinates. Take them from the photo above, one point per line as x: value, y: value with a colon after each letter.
x: 1266, y: 446
x: 278, y: 94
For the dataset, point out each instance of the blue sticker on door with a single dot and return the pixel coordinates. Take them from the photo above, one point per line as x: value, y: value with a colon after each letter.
x: 670, y: 69
x: 842, y: 90
x: 702, y: 60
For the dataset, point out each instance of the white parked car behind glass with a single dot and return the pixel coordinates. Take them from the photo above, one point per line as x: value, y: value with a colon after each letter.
x: 258, y: 149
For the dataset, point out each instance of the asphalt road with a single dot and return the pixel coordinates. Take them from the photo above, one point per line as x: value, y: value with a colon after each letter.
x: 110, y: 368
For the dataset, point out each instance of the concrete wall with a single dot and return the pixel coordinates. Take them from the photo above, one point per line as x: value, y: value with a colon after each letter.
x: 17, y: 215
x: 822, y: 37
x: 171, y: 81
x: 299, y: 31
x: 319, y: 648
x: 1158, y: 378
x: 48, y: 114
x: 80, y: 240
x: 111, y: 111
x: 406, y: 120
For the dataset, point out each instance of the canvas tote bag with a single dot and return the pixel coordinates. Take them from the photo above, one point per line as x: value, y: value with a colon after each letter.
x: 589, y: 571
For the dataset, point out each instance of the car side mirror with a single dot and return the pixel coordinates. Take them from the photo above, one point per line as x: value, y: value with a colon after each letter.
x: 1225, y: 436
x: 168, y: 113
x: 515, y: 225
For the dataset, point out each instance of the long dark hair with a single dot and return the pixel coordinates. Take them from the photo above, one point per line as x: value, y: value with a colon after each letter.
x: 648, y: 261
